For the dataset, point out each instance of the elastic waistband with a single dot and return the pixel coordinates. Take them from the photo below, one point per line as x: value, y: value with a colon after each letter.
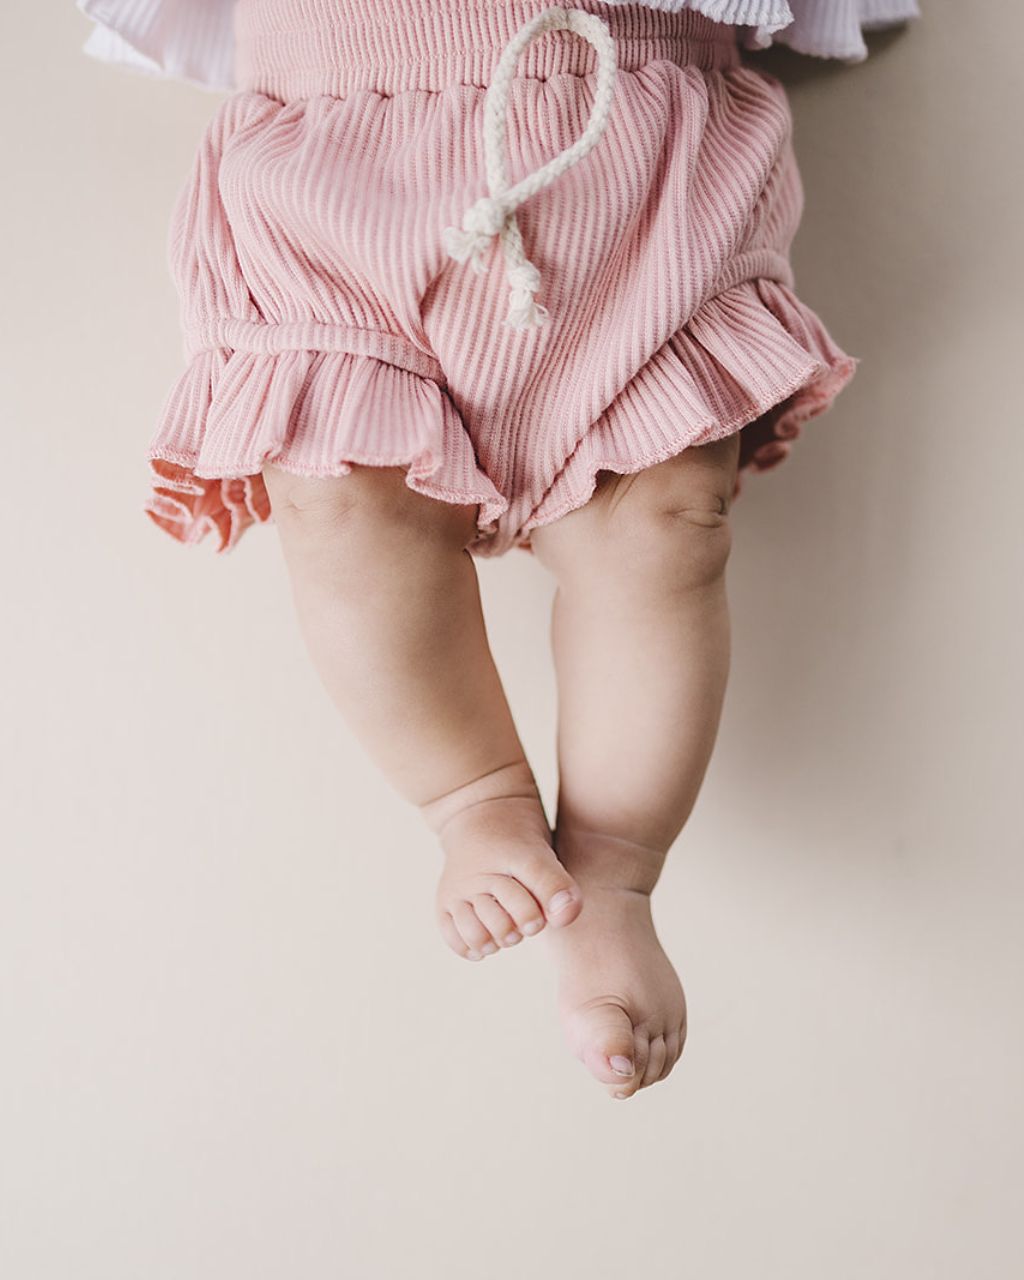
x: 291, y: 49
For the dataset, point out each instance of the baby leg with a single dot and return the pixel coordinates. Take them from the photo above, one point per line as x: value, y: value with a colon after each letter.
x: 641, y: 643
x: 389, y: 606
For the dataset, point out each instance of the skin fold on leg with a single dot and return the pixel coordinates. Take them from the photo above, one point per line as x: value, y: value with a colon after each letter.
x: 640, y: 634
x: 389, y: 607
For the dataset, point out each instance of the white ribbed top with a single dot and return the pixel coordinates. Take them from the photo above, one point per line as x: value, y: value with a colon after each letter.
x: 193, y: 40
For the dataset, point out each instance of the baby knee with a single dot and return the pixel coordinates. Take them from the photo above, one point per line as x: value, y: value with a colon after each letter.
x: 678, y: 512
x: 369, y: 505
x: 684, y: 540
x: 663, y: 528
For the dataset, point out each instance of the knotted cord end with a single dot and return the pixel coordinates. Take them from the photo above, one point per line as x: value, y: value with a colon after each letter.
x: 480, y: 224
x: 494, y: 214
x: 523, y: 311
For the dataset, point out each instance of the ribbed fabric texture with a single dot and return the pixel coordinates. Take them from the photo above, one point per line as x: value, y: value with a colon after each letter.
x: 340, y: 47
x: 327, y: 326
x: 193, y: 39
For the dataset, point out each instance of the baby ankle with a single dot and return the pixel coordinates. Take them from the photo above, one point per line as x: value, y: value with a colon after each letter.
x: 608, y: 861
x: 511, y: 781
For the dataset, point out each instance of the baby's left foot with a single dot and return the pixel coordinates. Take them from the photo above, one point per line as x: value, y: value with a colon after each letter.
x: 621, y: 1002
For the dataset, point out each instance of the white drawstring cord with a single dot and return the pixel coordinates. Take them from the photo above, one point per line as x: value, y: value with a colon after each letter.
x: 494, y: 214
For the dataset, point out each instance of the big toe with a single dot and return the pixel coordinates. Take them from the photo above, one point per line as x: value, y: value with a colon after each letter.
x: 557, y: 893
x: 607, y: 1044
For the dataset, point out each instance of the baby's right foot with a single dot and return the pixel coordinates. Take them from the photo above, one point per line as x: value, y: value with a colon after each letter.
x: 502, y: 880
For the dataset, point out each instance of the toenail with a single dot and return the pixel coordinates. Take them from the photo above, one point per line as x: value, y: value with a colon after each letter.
x: 620, y: 1096
x: 512, y: 939
x: 621, y: 1066
x: 532, y: 927
x: 559, y: 902
x: 488, y: 949
x: 472, y: 955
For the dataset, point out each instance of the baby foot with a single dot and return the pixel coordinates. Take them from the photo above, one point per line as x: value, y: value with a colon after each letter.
x: 502, y: 880
x: 621, y: 1002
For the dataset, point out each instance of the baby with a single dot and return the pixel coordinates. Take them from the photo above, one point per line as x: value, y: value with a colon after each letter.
x: 461, y: 278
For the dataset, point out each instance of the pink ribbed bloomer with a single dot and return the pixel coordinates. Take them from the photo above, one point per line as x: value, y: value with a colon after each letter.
x: 328, y: 326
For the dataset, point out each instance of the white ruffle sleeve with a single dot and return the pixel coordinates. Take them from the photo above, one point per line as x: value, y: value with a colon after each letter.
x: 832, y: 28
x: 191, y: 40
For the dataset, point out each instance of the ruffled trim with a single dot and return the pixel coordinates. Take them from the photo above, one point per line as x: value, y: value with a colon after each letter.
x: 819, y: 28
x: 754, y: 359
x: 313, y: 413
x: 823, y: 30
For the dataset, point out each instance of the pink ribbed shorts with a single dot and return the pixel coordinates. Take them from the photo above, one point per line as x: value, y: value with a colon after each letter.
x: 379, y: 263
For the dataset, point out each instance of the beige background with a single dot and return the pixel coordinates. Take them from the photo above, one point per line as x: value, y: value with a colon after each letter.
x: 233, y: 1045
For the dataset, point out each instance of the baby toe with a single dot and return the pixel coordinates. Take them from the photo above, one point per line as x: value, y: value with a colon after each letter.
x: 673, y: 1050
x: 607, y: 1043
x: 656, y: 1059
x: 452, y: 936
x: 493, y: 916
x: 476, y: 937
x: 527, y: 917
x: 554, y: 888
x: 641, y: 1055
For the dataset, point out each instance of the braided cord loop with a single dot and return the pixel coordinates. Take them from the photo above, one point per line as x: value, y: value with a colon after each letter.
x: 494, y: 214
